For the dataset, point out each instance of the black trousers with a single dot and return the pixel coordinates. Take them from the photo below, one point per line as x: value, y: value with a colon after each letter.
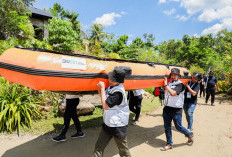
x: 70, y: 113
x: 135, y: 106
x: 210, y: 91
x: 202, y: 89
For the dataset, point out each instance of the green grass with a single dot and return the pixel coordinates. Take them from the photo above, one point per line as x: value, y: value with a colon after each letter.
x: 54, y: 125
x: 225, y: 95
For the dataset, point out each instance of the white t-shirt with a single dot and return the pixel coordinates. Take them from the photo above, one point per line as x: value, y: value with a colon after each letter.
x: 138, y: 92
x: 69, y: 96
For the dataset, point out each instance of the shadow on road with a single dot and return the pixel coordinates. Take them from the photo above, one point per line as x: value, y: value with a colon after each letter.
x: 83, y: 147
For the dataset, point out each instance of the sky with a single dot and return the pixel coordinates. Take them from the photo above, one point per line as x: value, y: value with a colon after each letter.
x: 165, y: 19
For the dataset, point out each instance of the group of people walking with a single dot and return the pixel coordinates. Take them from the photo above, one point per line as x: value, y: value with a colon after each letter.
x: 116, y: 111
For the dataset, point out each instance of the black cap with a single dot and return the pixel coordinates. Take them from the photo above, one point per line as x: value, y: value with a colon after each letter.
x: 175, y: 71
x: 211, y: 72
x: 117, y: 75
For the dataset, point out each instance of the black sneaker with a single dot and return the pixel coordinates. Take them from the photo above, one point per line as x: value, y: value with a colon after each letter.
x: 79, y: 134
x: 60, y: 138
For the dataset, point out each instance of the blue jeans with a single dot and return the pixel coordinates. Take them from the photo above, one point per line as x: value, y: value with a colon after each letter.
x: 188, y: 109
x: 168, y: 116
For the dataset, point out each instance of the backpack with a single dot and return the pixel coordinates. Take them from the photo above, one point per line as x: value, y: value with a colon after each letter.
x: 158, y: 91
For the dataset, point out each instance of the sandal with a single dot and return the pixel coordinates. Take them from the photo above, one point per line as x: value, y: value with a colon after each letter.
x: 167, y: 147
x: 190, y: 140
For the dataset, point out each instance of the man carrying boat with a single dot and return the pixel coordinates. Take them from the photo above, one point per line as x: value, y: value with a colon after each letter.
x: 190, y: 99
x: 115, y: 114
x: 173, y: 102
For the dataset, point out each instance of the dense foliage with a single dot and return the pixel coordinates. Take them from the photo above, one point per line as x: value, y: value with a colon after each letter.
x: 61, y: 35
x: 14, y: 19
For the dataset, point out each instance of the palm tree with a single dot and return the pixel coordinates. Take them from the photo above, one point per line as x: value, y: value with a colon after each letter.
x: 97, y: 33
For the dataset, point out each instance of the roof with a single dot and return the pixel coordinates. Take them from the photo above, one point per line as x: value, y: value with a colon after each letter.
x: 40, y: 13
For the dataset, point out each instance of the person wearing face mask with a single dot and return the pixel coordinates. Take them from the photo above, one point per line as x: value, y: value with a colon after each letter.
x: 173, y: 104
x: 190, y: 99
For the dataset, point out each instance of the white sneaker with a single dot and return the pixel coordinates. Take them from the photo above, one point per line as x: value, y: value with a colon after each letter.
x: 134, y: 123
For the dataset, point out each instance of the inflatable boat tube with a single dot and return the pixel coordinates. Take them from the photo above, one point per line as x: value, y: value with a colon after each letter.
x: 54, y: 71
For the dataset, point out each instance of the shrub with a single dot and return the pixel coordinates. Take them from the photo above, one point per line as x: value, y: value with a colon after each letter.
x: 17, y: 107
x: 96, y: 49
x: 6, y: 44
x: 149, y: 90
x: 114, y: 56
x: 35, y: 43
x: 223, y: 85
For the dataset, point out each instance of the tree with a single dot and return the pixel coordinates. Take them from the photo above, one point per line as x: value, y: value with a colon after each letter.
x: 120, y: 44
x: 149, y: 38
x: 61, y: 35
x: 14, y: 17
x: 96, y: 33
x: 129, y: 52
x: 138, y: 42
x: 58, y: 11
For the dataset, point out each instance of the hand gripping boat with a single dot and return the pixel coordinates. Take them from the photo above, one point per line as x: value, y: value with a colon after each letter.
x: 53, y: 71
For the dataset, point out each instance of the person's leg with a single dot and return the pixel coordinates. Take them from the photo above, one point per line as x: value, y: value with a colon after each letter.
x: 186, y: 108
x: 203, y: 92
x: 101, y: 143
x: 132, y: 105
x: 190, y: 114
x: 207, y: 95
x: 213, y: 90
x: 67, y: 116
x: 167, y: 117
x: 76, y: 121
x: 177, y: 118
x: 138, y: 109
x: 122, y: 146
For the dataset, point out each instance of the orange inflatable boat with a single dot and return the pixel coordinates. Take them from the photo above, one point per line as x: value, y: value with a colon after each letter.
x: 54, y: 71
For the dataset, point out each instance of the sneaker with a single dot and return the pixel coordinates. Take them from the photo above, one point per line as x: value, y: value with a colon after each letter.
x: 79, y: 134
x: 190, y: 140
x: 212, y: 104
x: 60, y: 138
x: 206, y: 102
x: 134, y: 122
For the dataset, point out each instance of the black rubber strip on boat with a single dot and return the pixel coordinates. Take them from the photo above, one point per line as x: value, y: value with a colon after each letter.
x: 92, y: 57
x: 65, y: 74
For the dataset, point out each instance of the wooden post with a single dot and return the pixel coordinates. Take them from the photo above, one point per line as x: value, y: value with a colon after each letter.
x: 86, y: 42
